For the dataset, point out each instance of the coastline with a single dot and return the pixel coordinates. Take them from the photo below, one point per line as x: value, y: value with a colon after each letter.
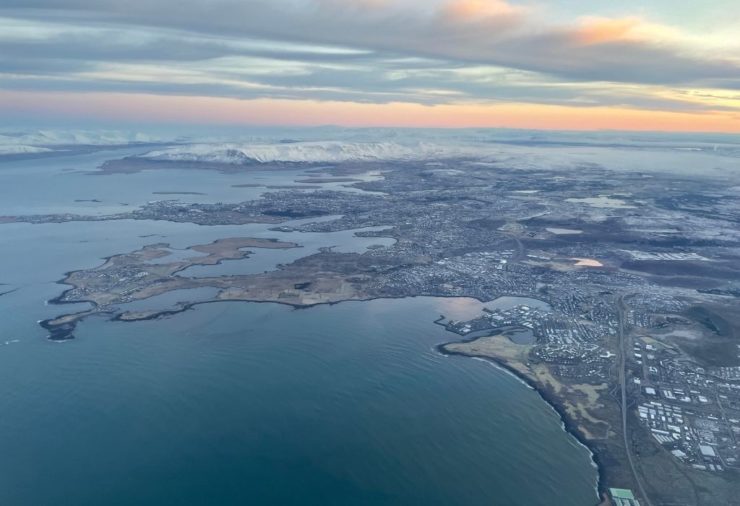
x: 76, y: 317
x: 63, y: 332
x: 568, y: 425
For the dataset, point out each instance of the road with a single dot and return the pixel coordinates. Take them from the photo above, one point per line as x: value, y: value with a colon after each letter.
x: 520, y: 251
x: 623, y: 351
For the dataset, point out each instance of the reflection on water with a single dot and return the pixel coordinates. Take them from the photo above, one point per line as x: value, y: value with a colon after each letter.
x: 511, y: 302
x: 521, y: 336
x: 463, y: 308
x: 458, y: 308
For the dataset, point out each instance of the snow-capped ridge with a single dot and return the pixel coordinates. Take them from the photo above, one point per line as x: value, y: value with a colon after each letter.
x: 329, y: 151
x: 21, y: 149
x: 52, y: 138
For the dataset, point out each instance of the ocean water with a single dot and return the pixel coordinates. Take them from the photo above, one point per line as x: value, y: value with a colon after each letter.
x: 247, y: 403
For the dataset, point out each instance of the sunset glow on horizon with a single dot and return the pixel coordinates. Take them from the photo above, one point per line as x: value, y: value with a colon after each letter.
x: 273, y: 112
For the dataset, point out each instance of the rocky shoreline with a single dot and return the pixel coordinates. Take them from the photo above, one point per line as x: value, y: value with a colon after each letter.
x: 568, y: 424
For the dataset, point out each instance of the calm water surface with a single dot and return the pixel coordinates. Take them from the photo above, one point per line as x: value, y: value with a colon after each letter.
x: 236, y: 403
x: 243, y: 403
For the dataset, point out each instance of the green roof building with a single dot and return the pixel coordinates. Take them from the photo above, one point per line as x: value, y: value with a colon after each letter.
x: 623, y: 497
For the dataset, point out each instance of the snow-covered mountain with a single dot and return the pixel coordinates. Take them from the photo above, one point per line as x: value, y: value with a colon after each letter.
x: 524, y: 151
x: 21, y: 149
x: 317, y: 152
x: 505, y: 149
x: 74, y: 138
x: 34, y: 142
x: 24, y: 142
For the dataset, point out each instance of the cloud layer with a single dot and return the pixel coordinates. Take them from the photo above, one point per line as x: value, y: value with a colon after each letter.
x: 366, y: 51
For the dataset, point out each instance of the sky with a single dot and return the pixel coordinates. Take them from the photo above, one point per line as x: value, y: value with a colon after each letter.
x: 558, y: 64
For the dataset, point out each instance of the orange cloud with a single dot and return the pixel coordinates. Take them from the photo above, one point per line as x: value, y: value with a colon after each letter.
x: 476, y: 10
x: 598, y: 30
x: 602, y: 31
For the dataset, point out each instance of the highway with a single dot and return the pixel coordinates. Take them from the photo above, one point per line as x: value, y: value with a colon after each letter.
x: 623, y: 351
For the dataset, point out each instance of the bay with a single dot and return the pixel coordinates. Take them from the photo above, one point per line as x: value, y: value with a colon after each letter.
x: 246, y: 403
